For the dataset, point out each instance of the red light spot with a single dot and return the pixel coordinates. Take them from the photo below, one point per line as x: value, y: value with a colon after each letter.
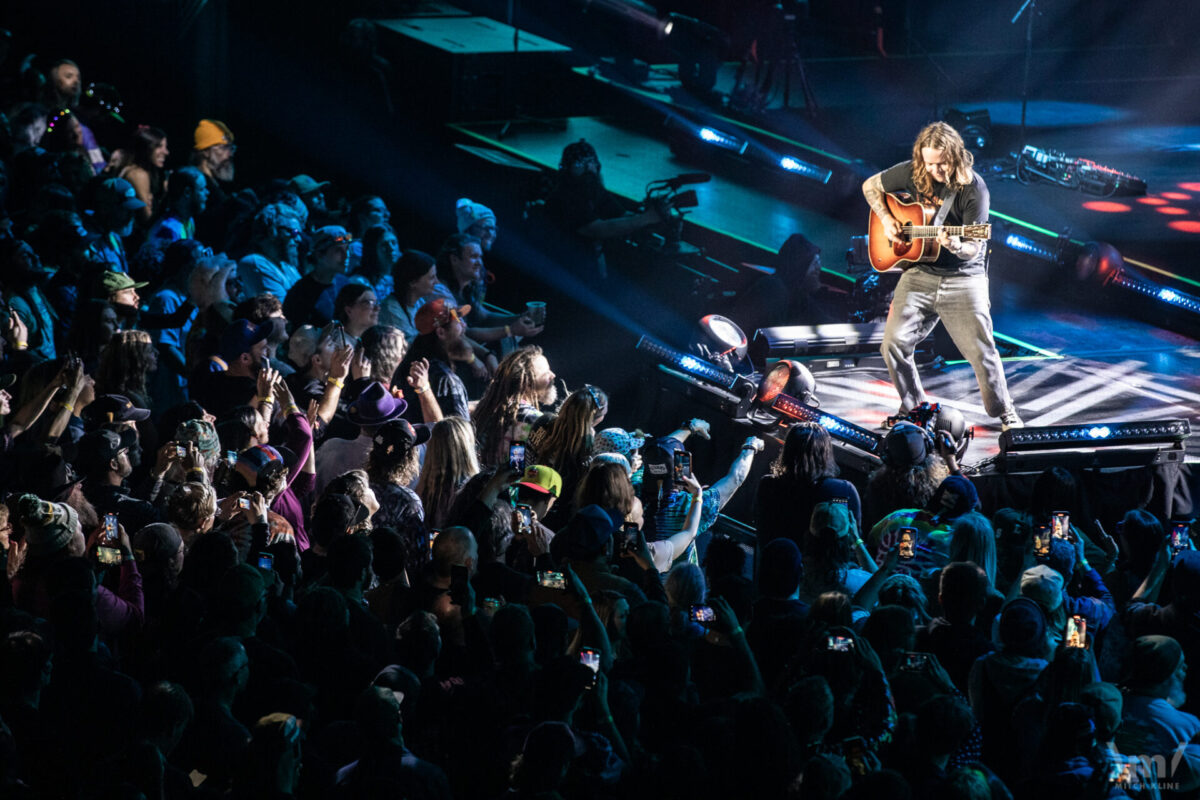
x: 1176, y: 196
x: 1107, y: 207
x: 1190, y: 187
x: 1172, y: 210
x: 1185, y: 225
x: 1152, y: 201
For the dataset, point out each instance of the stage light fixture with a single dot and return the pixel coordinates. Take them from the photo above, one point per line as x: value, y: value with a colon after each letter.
x: 1097, y: 434
x: 795, y: 165
x: 724, y: 337
x: 1027, y: 246
x: 687, y: 363
x: 838, y: 428
x: 788, y: 378
x: 723, y: 140
x: 974, y: 126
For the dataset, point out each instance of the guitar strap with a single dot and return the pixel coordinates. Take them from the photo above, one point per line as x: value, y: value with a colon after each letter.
x: 940, y: 217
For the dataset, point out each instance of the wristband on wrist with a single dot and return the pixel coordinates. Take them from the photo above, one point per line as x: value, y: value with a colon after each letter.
x: 20, y: 345
x: 265, y: 400
x: 292, y: 409
x: 70, y: 407
x: 338, y: 382
x: 736, y: 631
x: 470, y: 360
x: 421, y: 391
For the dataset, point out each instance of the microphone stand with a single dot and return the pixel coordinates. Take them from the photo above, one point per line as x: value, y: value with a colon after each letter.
x: 1031, y: 7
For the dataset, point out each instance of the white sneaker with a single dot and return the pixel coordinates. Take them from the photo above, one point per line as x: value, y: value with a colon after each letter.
x: 1009, y: 419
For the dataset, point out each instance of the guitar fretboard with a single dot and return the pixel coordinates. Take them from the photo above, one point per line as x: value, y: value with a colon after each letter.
x: 931, y: 231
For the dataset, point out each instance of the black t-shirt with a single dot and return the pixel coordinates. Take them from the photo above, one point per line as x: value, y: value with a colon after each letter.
x: 971, y: 205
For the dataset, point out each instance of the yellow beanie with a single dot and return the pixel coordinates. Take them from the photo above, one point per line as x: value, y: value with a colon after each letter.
x: 210, y: 133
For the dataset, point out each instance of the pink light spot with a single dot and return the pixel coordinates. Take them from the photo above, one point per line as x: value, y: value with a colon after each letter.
x: 1107, y: 207
x: 1176, y: 196
x: 1172, y: 210
x: 1185, y: 225
x: 1190, y: 187
x: 1152, y: 201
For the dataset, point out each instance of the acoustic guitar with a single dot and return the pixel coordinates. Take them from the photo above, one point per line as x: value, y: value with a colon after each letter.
x: 918, y: 239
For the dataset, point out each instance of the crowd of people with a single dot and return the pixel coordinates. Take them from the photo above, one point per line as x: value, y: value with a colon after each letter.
x: 291, y: 511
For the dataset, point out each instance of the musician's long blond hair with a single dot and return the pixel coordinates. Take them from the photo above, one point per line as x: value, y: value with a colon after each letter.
x: 940, y: 136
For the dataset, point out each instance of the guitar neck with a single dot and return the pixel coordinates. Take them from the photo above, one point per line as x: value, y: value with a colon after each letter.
x: 932, y: 231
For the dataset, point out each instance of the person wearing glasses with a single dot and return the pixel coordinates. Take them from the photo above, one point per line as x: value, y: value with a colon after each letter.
x: 212, y: 153
x: 271, y: 266
x: 357, y: 308
x: 311, y: 300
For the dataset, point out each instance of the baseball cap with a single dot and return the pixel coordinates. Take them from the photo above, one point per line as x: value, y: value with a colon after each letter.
x: 905, y: 445
x: 102, y: 445
x: 542, y: 479
x: 241, y: 336
x: 438, y: 312
x: 210, y: 133
x: 1044, y: 586
x: 401, y: 433
x: 116, y: 192
x: 589, y: 531
x: 114, y: 408
x: 836, y: 516
x: 328, y: 236
x: 617, y: 440
x: 113, y: 282
x: 303, y: 184
x: 263, y: 456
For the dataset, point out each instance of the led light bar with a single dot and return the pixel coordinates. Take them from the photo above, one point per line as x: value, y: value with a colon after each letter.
x: 723, y: 140
x: 686, y: 362
x: 795, y: 165
x: 1100, y: 434
x: 838, y: 428
x: 1023, y: 244
x: 1173, y: 297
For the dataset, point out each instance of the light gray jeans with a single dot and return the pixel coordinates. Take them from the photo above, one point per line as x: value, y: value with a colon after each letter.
x: 962, y: 303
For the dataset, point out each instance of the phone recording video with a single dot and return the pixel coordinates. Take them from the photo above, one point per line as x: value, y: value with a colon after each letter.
x: 516, y: 457
x: 106, y: 551
x: 552, y: 580
x: 908, y: 543
x: 244, y: 502
x: 1181, y: 538
x: 266, y: 561
x: 1076, y: 632
x: 1060, y: 525
x: 180, y: 451
x: 525, y: 518
x: 702, y: 614
x: 915, y: 662
x: 1041, y: 541
x: 590, y: 658
x: 839, y: 644
x: 683, y: 465
x: 231, y: 457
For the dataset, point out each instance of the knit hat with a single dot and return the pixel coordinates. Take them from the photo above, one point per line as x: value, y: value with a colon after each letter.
x: 954, y: 497
x: 210, y: 133
x: 156, y: 542
x: 1061, y: 558
x: 1022, y: 625
x: 411, y: 266
x: 836, y: 516
x: 1153, y: 660
x: 202, y: 432
x: 468, y: 213
x: 781, y: 568
x: 48, y: 526
x: 1044, y: 586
